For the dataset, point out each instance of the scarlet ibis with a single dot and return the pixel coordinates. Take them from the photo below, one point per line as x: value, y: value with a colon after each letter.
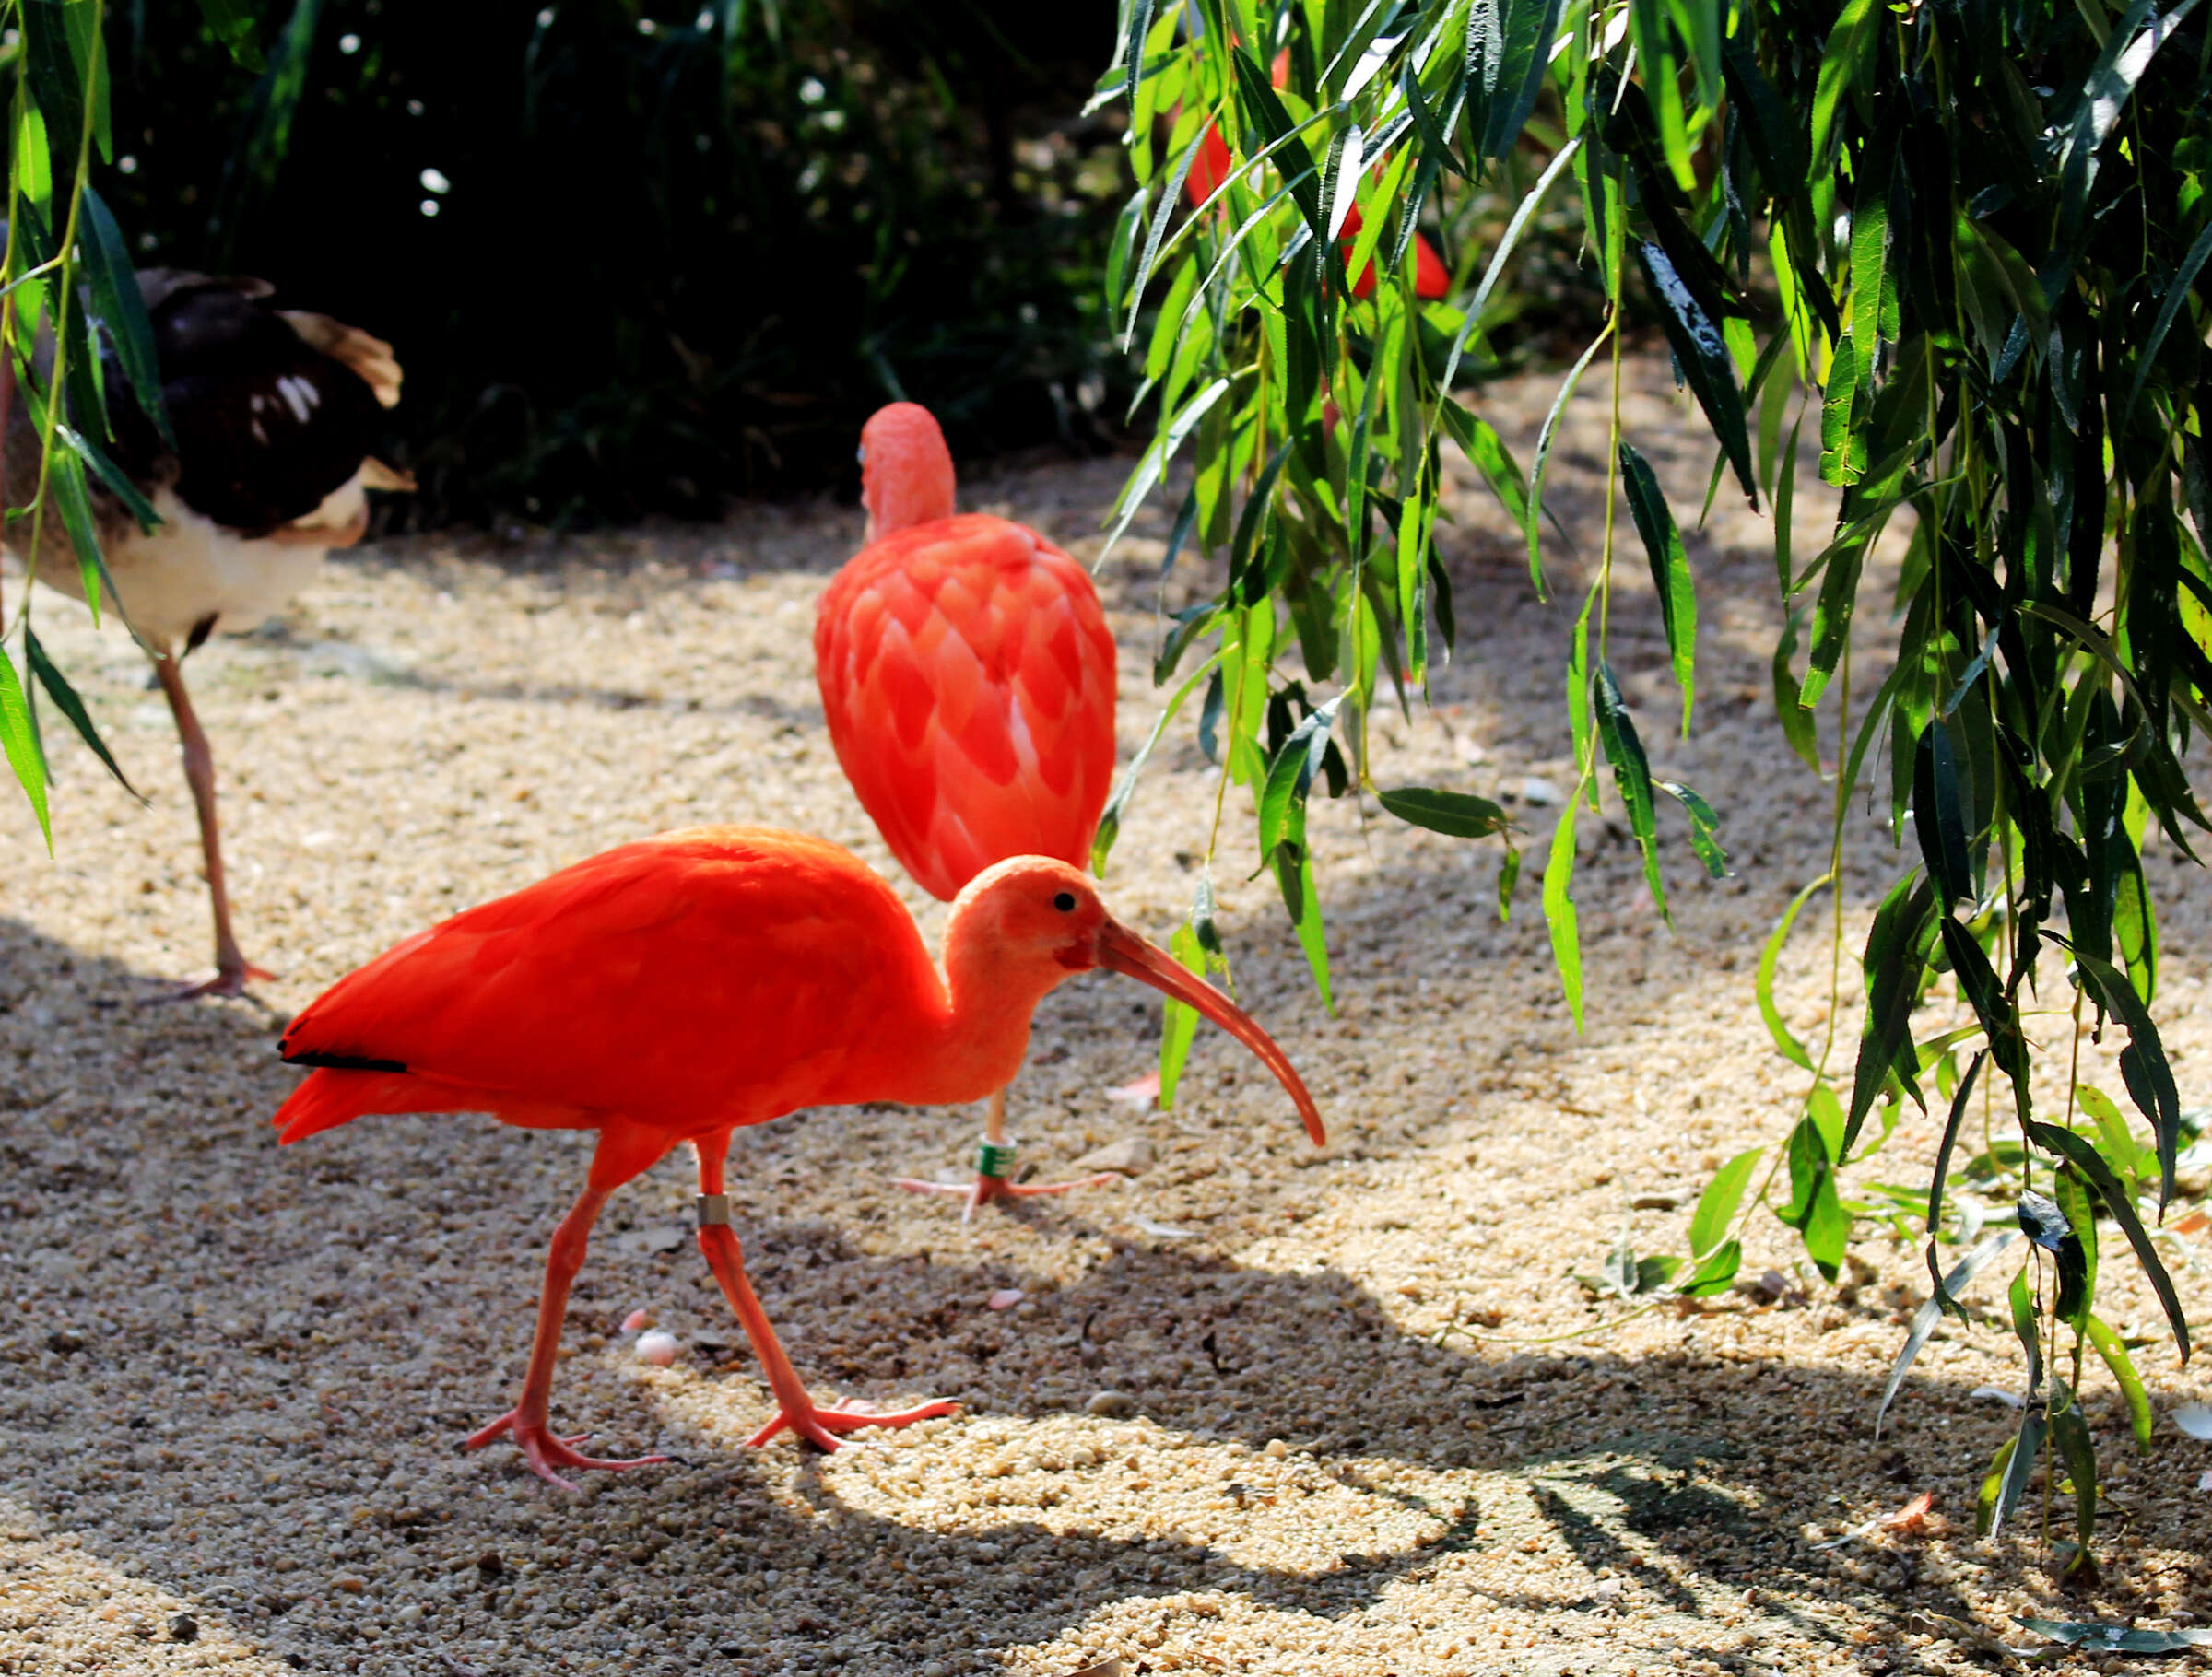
x: 273, y: 412
x: 967, y: 676
x: 677, y: 987
x: 1432, y: 279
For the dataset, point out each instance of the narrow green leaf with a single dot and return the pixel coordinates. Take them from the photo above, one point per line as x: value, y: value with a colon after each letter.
x: 2078, y: 1152
x: 2010, y: 1471
x: 1110, y: 820
x: 1930, y: 1313
x: 1896, y: 959
x: 1815, y: 1209
x: 116, y: 301
x: 2114, y: 1349
x: 1852, y: 44
x: 18, y: 739
x: 1558, y: 905
x: 2177, y: 294
x: 2143, y: 1063
x: 1543, y: 442
x: 1458, y: 814
x: 1670, y: 570
x: 1703, y: 827
x: 1179, y: 1023
x: 71, y: 706
x: 1702, y: 355
x: 1715, y: 1271
x: 1290, y: 777
x: 2070, y: 1433
x: 1786, y: 1043
x: 1632, y: 774
x: 1717, y: 1205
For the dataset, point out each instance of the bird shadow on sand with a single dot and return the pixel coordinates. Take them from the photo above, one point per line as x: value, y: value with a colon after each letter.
x: 241, y: 1375
x: 260, y: 1322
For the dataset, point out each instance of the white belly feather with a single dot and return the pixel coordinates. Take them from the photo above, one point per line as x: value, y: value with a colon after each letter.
x: 192, y: 568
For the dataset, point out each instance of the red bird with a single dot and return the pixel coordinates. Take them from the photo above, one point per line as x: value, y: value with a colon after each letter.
x: 675, y: 989
x: 1432, y: 279
x: 967, y: 676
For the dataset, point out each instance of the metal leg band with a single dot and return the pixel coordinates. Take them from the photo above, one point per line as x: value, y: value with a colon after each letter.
x: 713, y: 1210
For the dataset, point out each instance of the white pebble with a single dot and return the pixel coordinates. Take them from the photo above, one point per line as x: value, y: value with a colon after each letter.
x: 1537, y: 790
x: 1005, y: 1299
x: 657, y: 1348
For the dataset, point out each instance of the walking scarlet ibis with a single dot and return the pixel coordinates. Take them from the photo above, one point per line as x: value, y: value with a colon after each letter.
x: 675, y: 989
x: 1432, y: 279
x: 967, y: 676
x: 274, y: 413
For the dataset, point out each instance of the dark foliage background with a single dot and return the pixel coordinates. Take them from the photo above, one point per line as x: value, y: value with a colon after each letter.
x: 640, y: 258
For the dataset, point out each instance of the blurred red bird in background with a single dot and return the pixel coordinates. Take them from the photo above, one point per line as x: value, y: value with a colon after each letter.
x: 967, y: 676
x: 673, y: 989
x: 1210, y: 168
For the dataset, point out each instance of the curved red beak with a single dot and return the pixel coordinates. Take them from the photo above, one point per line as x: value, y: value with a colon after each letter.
x: 1123, y: 951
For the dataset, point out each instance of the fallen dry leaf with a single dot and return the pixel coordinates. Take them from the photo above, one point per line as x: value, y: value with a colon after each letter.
x: 1913, y: 1516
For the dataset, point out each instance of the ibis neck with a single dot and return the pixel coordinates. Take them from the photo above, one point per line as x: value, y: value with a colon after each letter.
x: 900, y: 499
x: 986, y: 1027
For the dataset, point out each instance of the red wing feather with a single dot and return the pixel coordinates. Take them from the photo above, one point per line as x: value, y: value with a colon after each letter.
x: 967, y: 675
x: 718, y: 976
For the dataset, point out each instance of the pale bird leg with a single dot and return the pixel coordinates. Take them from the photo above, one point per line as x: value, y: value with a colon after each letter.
x: 231, y: 972
x: 544, y: 1450
x: 817, y: 1424
x: 987, y: 1187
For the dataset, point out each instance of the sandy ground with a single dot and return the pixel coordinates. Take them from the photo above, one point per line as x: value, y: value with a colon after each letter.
x: 232, y: 1379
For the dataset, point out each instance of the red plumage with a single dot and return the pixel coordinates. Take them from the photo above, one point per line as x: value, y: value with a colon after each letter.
x: 967, y: 675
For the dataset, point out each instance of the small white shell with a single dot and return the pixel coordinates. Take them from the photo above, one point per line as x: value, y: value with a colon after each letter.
x: 657, y: 1348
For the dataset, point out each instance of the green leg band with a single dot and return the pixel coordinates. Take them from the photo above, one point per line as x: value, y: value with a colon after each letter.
x: 992, y: 1160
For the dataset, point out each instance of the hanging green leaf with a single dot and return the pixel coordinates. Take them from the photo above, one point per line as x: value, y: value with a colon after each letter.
x: 20, y: 741
x: 1460, y: 815
x: 1670, y: 570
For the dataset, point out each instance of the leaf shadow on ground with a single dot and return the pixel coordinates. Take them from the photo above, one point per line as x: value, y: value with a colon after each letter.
x: 141, y: 1238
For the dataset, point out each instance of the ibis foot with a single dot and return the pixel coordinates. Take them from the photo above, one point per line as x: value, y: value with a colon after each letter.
x: 546, y: 1451
x: 818, y: 1423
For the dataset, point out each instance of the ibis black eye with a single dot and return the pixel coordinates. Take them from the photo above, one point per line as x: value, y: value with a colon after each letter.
x: 1064, y: 902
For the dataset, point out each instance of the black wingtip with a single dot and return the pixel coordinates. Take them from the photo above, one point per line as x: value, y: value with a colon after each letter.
x: 337, y: 1062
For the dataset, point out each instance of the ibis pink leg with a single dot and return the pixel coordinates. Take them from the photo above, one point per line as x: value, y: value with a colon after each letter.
x: 231, y: 971
x: 988, y: 1188
x: 545, y: 1450
x: 817, y: 1424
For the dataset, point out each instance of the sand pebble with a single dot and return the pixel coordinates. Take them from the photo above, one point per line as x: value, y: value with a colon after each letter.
x: 1111, y: 1403
x: 1005, y: 1299
x: 636, y: 1321
x: 1132, y: 1155
x: 658, y: 1348
x: 1537, y: 790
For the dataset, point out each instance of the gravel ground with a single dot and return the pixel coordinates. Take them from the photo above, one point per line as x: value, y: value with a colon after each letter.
x: 1258, y: 1409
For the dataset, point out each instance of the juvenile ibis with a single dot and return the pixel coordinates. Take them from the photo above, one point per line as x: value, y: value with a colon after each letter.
x: 967, y: 676
x: 274, y: 412
x: 673, y: 990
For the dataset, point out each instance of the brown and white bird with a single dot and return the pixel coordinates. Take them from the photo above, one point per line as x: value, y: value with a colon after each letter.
x: 274, y: 412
